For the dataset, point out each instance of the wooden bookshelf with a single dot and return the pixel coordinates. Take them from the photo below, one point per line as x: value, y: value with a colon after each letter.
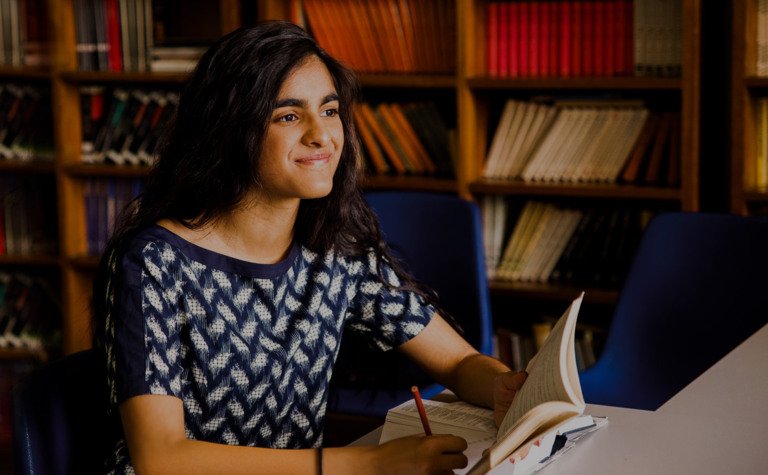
x: 477, y: 92
x: 746, y: 88
x: 472, y: 94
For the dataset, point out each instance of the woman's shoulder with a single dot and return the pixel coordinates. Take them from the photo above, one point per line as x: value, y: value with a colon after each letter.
x: 151, y: 237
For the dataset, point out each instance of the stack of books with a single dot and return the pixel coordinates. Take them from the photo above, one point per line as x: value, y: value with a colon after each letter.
x: 123, y: 126
x: 553, y: 244
x: 386, y: 36
x: 24, y: 33
x: 25, y: 123
x: 584, y: 38
x: 405, y: 139
x: 590, y: 141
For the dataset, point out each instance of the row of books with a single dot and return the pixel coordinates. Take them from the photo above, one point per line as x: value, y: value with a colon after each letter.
x: 25, y: 123
x: 130, y: 35
x: 403, y: 139
x: 105, y: 200
x: 516, y: 348
x: 30, y: 313
x: 24, y: 33
x: 565, y: 38
x: 761, y: 146
x: 550, y: 243
x: 113, y: 35
x: 123, y: 126
x: 27, y: 220
x: 386, y: 36
x: 762, y: 38
x: 585, y: 142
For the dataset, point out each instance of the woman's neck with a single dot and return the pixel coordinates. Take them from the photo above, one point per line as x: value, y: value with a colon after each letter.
x: 257, y: 232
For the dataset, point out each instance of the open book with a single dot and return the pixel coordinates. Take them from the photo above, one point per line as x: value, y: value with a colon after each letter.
x: 548, y: 402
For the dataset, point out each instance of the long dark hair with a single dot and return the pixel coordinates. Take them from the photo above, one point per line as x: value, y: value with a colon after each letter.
x: 207, y: 161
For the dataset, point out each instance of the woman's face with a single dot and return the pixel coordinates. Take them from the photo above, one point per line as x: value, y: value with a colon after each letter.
x: 304, y: 136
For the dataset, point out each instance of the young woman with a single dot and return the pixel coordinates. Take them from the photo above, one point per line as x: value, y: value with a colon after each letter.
x: 221, y: 299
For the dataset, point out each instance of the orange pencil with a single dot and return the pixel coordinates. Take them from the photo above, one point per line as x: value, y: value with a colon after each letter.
x: 422, y: 411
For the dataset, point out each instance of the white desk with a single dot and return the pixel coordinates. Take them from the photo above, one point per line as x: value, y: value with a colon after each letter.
x: 718, y: 424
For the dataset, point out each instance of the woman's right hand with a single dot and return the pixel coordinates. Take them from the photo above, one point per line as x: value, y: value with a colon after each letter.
x: 434, y: 454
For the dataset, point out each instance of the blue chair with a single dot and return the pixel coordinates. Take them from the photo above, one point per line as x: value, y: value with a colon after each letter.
x: 698, y: 286
x: 439, y: 240
x: 60, y: 423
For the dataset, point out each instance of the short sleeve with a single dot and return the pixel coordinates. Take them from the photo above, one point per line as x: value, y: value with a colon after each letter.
x: 390, y: 315
x: 145, y: 346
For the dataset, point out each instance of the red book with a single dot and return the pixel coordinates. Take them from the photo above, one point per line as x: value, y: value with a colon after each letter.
x: 115, y: 51
x: 577, y: 8
x: 544, y: 39
x: 514, y: 39
x: 629, y: 42
x: 503, y: 38
x: 523, y: 22
x: 599, y: 27
x: 610, y: 37
x: 534, y: 24
x: 554, y: 37
x: 620, y: 35
x: 492, y: 38
x: 564, y: 40
x: 588, y: 38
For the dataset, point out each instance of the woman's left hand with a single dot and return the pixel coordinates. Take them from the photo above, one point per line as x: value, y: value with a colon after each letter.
x: 505, y: 387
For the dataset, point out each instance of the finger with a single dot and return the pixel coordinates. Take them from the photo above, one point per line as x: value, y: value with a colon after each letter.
x: 452, y: 461
x: 438, y: 445
x: 450, y: 443
x: 513, y: 381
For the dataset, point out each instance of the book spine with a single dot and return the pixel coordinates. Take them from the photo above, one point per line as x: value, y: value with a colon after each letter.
x: 492, y: 38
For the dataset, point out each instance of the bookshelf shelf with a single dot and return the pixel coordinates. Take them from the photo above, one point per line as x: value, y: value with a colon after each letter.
x: 755, y: 82
x: 35, y: 260
x: 581, y: 83
x: 551, y: 292
x: 31, y: 167
x: 25, y: 73
x: 105, y: 77
x: 422, y: 81
x: 611, y: 191
x: 756, y: 196
x: 110, y: 171
x: 22, y: 354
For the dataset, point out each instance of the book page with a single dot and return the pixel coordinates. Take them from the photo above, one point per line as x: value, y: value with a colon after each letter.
x: 552, y: 373
x: 473, y: 423
x: 533, y: 424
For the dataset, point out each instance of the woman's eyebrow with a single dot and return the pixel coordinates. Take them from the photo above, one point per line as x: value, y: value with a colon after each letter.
x: 293, y: 102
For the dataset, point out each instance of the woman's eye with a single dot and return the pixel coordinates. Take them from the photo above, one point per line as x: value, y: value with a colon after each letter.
x: 287, y: 118
x: 331, y: 112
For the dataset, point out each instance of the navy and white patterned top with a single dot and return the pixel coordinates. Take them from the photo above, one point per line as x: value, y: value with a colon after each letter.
x: 249, y: 348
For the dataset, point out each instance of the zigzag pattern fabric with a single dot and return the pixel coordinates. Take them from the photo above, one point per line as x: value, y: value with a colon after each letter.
x: 248, y: 348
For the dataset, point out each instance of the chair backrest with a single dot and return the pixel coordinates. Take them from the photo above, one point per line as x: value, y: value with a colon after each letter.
x: 695, y: 290
x: 439, y: 239
x: 60, y: 423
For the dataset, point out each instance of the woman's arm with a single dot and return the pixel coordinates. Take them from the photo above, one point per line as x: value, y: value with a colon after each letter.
x: 474, y: 377
x: 154, y: 430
